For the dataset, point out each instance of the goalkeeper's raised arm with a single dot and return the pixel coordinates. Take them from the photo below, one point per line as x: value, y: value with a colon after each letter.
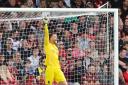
x: 46, y: 32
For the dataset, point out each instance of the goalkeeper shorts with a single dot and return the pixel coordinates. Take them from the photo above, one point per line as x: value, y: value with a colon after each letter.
x: 53, y: 74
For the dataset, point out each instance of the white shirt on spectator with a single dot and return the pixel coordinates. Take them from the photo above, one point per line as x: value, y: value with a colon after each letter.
x: 16, y: 45
x: 34, y: 61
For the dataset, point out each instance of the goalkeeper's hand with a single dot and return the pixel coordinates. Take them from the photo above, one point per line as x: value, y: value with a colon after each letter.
x: 45, y: 20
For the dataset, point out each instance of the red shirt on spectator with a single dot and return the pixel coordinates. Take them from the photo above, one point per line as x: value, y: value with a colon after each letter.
x: 99, y: 3
x: 62, y: 53
x: 77, y: 53
x: 125, y: 75
x: 90, y: 78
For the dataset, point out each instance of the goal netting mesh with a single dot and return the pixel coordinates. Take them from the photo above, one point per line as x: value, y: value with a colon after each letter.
x: 85, y: 42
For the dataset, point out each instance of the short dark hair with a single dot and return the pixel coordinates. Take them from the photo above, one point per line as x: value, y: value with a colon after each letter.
x: 122, y: 49
x: 50, y: 35
x: 91, y: 65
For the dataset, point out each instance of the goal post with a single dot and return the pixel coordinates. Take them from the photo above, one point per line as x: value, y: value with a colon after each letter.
x: 87, y: 43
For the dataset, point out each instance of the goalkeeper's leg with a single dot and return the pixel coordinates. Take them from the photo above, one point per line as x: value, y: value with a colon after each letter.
x: 59, y: 77
x: 49, y: 76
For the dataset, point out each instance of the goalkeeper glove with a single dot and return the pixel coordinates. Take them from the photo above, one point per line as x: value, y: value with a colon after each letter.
x: 45, y: 20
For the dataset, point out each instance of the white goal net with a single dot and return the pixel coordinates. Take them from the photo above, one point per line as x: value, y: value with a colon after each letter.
x: 85, y: 41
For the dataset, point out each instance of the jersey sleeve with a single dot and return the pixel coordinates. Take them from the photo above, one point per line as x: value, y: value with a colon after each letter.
x: 46, y: 35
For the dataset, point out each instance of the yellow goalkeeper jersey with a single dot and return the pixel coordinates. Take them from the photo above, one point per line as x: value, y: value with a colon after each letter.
x: 51, y: 50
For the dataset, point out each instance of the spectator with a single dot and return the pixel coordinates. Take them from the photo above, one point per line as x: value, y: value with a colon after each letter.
x: 11, y: 3
x: 83, y: 41
x: 84, y: 3
x: 98, y: 3
x: 32, y: 66
x: 123, y: 63
x: 8, y: 50
x: 29, y: 77
x: 76, y: 51
x: 104, y: 76
x: 30, y: 4
x: 61, y: 4
x: 53, y: 5
x: 97, y: 65
x: 67, y: 39
x: 69, y: 54
x: 122, y: 57
x: 40, y: 72
x: 24, y: 31
x: 121, y: 78
x: 20, y: 2
x: 100, y: 40
x: 37, y: 3
x: 78, y: 4
x: 91, y: 34
x: 27, y: 66
x: 124, y: 8
x: 87, y: 60
x: 103, y: 58
x: 19, y: 65
x: 5, y: 76
x: 74, y: 28
x: 78, y: 71
x: 25, y: 50
x: 16, y: 40
x: 64, y: 65
x: 34, y: 58
x: 94, y: 53
x: 70, y: 72
x: 103, y: 28
x: 126, y: 47
x: 70, y: 61
x: 40, y: 75
x: 126, y: 22
x: 32, y: 41
x: 96, y: 27
x: 90, y: 78
x: 43, y: 4
x: 81, y: 24
x: 39, y: 34
x: 22, y: 25
x: 11, y: 67
x: 120, y: 24
x: 89, y: 4
x: 62, y: 51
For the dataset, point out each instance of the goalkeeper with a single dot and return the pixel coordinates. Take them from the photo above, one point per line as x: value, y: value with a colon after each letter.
x: 53, y: 71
